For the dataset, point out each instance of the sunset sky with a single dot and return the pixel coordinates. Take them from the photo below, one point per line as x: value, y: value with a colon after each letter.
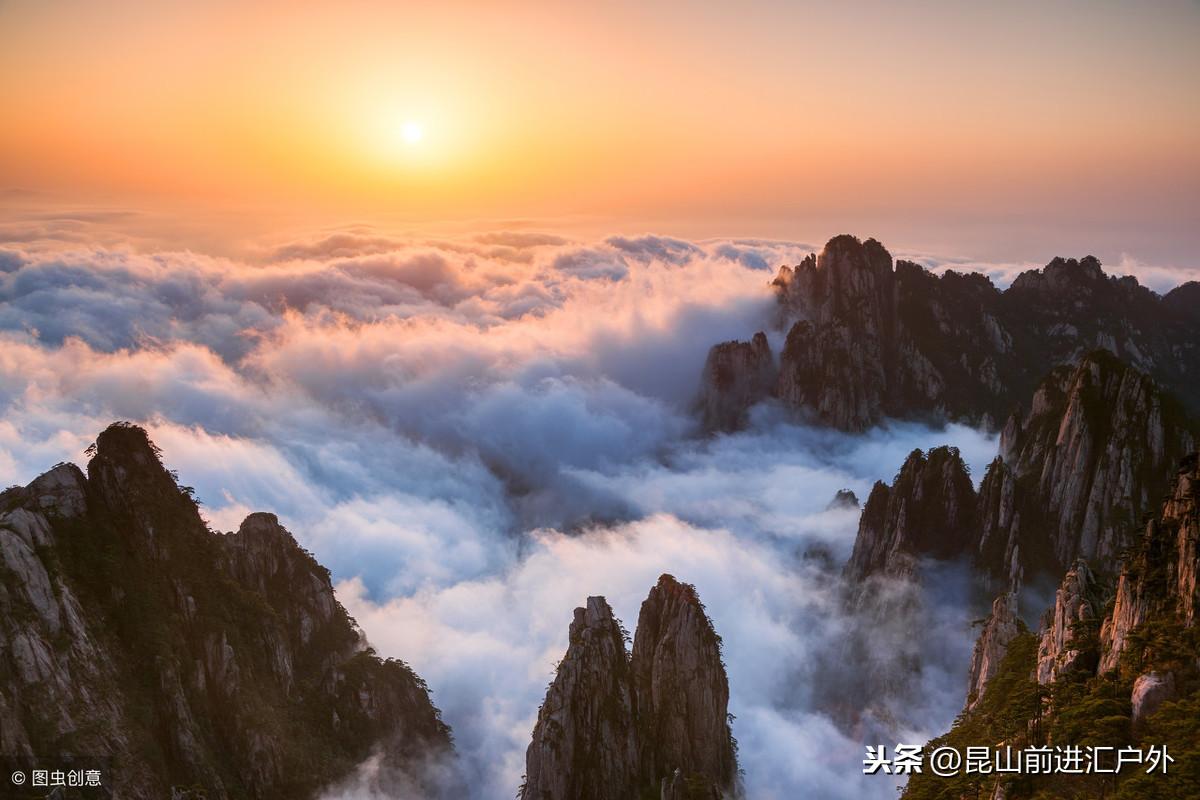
x: 437, y: 283
x: 1008, y: 131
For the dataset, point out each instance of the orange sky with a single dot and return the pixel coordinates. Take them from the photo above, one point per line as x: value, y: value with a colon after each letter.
x: 942, y: 123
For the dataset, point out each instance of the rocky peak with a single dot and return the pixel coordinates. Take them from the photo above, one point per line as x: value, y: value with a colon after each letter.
x: 736, y: 376
x: 265, y: 558
x: 1146, y: 647
x: 585, y: 740
x: 654, y: 722
x: 849, y: 277
x: 1062, y: 274
x: 999, y: 629
x: 843, y: 499
x: 868, y: 340
x: 1078, y: 469
x: 1073, y: 277
x: 1077, y: 604
x: 681, y: 687
x: 929, y: 510
x: 835, y: 361
x: 126, y: 451
x: 127, y: 478
x: 1184, y: 300
x: 131, y: 631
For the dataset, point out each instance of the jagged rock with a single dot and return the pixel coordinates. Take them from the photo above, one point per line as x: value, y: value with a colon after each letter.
x: 1159, y: 576
x: 844, y: 499
x: 736, y: 376
x: 836, y: 359
x: 869, y: 340
x: 929, y: 510
x: 1078, y: 470
x: 585, y: 741
x: 192, y: 659
x: 1150, y: 691
x: 1076, y: 602
x: 1074, y: 474
x: 617, y: 725
x: 61, y: 492
x: 681, y: 687
x: 1148, y: 637
x: 1000, y: 628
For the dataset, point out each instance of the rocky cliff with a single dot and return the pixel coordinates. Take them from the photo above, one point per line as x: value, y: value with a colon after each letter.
x: 653, y: 722
x: 1077, y: 470
x: 1158, y: 579
x: 999, y: 629
x: 1091, y: 455
x: 1126, y: 676
x: 838, y: 360
x: 740, y: 374
x: 870, y: 339
x: 220, y: 663
x: 1062, y: 645
x: 585, y: 742
x: 681, y: 687
x: 929, y: 510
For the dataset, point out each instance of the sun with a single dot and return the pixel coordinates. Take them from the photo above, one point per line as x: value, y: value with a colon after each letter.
x: 412, y: 132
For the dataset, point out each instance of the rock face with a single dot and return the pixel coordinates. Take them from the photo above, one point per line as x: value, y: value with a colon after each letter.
x: 1074, y: 474
x: 838, y: 360
x: 193, y: 659
x: 736, y: 376
x: 870, y: 340
x: 1145, y: 645
x: 1158, y: 578
x: 1077, y: 604
x: 1079, y: 468
x: 1149, y: 692
x: 617, y: 725
x: 585, y: 742
x: 1000, y: 628
x: 928, y: 510
x: 681, y: 688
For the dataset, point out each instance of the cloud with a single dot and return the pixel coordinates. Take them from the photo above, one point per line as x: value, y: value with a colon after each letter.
x: 1161, y: 279
x: 591, y: 264
x: 520, y: 239
x: 747, y: 257
x: 656, y: 248
x: 336, y: 245
x: 474, y: 442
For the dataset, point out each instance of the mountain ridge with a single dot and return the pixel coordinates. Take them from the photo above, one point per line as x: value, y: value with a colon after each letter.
x: 197, y: 661
x: 868, y: 339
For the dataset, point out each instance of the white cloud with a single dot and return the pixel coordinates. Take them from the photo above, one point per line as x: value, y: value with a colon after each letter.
x: 474, y: 436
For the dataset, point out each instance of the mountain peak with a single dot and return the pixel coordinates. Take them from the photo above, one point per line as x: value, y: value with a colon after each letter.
x: 615, y: 727
x: 179, y: 646
x: 927, y: 511
x: 126, y: 442
x: 1092, y: 454
x: 867, y: 339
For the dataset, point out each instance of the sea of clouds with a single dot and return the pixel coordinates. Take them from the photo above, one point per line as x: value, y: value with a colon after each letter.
x: 476, y: 434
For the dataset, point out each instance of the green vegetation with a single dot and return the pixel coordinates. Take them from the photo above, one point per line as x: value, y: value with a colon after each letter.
x: 1010, y: 701
x: 1086, y: 710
